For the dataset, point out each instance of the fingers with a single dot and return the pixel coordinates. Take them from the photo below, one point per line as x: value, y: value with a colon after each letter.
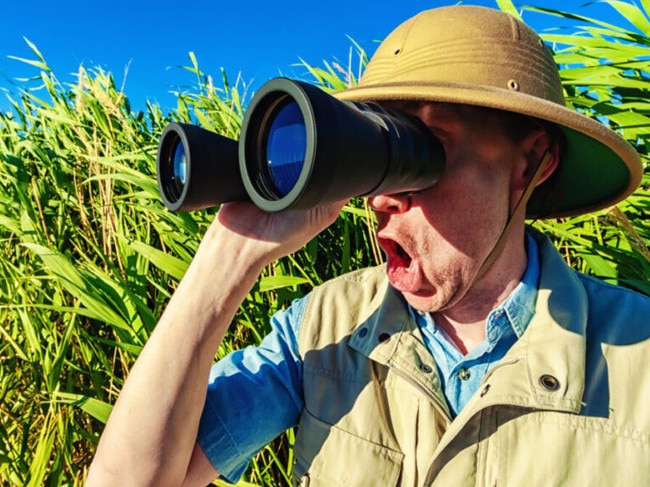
x: 279, y: 233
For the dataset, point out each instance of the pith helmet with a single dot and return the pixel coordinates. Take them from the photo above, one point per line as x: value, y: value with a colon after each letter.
x: 485, y: 57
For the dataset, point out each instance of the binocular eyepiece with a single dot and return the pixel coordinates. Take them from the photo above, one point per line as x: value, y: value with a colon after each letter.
x: 299, y: 148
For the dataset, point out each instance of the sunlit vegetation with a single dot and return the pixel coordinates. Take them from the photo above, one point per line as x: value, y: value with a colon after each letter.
x: 91, y: 256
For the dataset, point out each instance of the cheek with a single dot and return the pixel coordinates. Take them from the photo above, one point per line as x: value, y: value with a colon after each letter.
x: 452, y: 207
x: 462, y: 220
x: 468, y: 189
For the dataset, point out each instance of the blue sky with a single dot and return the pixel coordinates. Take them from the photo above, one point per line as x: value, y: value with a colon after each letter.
x: 144, y: 43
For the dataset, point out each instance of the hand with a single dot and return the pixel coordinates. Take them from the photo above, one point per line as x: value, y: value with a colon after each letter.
x: 276, y: 234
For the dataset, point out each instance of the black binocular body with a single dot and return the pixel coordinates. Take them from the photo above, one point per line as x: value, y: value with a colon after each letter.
x: 299, y: 147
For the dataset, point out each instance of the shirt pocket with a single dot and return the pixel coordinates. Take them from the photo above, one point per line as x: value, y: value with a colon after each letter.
x: 327, y: 455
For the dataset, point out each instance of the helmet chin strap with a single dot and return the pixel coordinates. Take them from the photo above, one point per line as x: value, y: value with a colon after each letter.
x: 517, y: 212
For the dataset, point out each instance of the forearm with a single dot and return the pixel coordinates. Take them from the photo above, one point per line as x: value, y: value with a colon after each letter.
x: 152, y: 429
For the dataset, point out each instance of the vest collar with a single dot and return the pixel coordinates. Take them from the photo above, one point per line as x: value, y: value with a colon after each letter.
x: 391, y: 337
x: 545, y: 368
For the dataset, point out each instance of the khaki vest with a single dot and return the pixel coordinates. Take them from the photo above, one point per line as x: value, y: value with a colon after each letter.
x: 568, y: 405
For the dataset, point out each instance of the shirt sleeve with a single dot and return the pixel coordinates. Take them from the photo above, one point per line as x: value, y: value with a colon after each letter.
x: 254, y: 395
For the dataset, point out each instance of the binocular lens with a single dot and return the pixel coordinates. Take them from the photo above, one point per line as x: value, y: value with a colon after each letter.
x: 179, y: 168
x: 286, y: 148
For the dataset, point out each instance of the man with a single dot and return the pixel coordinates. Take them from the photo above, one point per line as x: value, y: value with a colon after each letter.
x: 475, y: 357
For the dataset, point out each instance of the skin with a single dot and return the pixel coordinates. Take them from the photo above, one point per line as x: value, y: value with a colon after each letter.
x: 435, y: 241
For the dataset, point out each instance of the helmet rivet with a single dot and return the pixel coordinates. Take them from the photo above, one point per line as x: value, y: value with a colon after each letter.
x: 513, y: 85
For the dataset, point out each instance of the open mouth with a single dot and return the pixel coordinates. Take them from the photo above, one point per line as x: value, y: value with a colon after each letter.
x: 402, y: 255
x: 403, y: 271
x: 396, y: 255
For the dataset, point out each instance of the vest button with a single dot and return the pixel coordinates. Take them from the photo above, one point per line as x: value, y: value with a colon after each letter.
x: 425, y: 368
x: 549, y: 382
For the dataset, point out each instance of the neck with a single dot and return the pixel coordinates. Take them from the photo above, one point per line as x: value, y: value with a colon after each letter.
x: 464, y: 322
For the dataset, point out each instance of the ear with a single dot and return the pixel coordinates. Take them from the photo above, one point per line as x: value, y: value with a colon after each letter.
x: 534, y: 147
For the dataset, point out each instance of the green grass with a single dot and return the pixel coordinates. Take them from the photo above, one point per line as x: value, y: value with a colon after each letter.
x: 91, y: 255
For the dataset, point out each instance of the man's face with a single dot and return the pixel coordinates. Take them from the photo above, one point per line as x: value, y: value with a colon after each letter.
x: 435, y: 240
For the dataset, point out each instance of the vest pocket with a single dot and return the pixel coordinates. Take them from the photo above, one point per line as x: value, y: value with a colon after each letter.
x: 551, y: 448
x: 327, y: 455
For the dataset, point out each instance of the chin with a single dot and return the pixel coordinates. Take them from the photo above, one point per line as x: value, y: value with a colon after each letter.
x: 423, y: 302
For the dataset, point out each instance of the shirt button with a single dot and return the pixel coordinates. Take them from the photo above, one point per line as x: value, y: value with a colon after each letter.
x: 363, y: 332
x: 464, y: 374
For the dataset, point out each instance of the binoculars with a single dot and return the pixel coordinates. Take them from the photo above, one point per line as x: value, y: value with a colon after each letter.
x: 299, y: 147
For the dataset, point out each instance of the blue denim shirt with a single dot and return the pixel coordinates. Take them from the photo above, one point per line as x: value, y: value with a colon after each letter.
x: 255, y: 394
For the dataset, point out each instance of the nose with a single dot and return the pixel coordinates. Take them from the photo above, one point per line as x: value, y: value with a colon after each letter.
x: 390, y: 203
